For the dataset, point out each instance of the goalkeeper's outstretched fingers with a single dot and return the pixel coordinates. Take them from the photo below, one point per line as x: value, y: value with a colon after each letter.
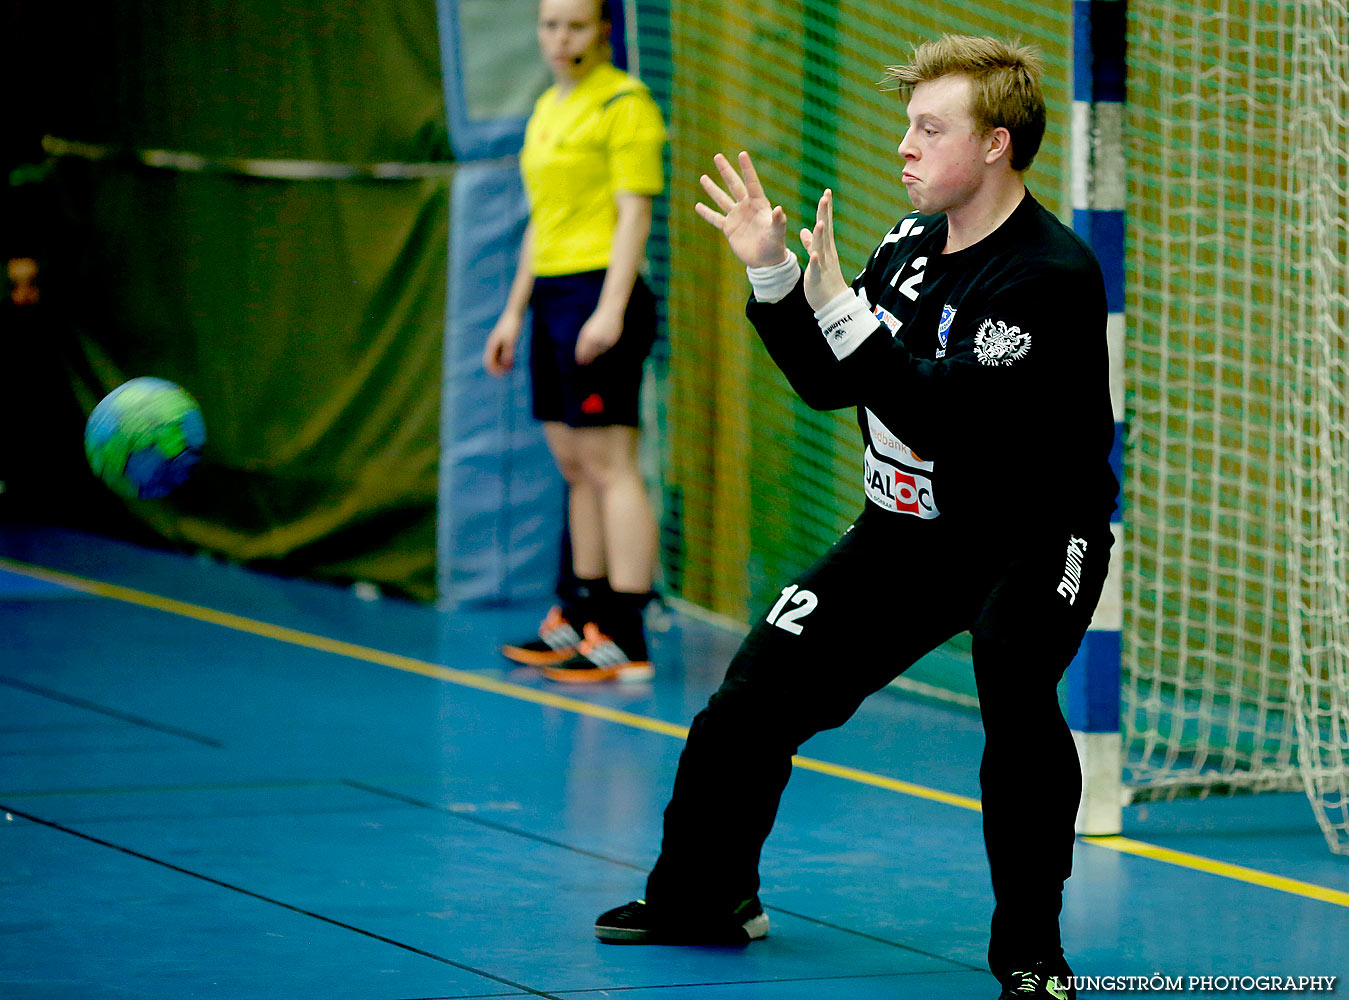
x: 754, y: 227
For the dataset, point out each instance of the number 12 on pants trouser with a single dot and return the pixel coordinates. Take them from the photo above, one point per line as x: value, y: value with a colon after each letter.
x: 885, y: 594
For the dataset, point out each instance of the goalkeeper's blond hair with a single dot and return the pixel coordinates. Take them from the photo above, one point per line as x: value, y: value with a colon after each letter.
x: 1005, y: 92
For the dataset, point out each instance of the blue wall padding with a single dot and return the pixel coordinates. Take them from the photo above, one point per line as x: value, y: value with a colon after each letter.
x: 501, y: 498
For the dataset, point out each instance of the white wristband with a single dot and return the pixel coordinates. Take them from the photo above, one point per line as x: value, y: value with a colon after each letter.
x: 772, y: 284
x: 845, y: 322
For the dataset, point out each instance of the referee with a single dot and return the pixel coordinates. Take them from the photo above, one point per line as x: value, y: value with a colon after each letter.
x: 591, y: 166
x: 973, y: 348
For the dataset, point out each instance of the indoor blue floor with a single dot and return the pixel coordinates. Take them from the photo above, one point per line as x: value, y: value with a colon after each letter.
x: 216, y: 783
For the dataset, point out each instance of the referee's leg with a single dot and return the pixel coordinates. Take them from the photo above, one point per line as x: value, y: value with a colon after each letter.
x: 1024, y: 639
x: 829, y: 641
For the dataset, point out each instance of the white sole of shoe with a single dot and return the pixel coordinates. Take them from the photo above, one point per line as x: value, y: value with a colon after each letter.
x: 757, y: 926
x: 620, y: 935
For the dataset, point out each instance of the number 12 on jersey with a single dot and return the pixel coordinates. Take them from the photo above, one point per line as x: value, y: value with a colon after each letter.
x: 804, y: 602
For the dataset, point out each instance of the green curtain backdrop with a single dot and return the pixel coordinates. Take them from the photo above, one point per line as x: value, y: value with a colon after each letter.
x: 305, y: 315
x: 285, y: 79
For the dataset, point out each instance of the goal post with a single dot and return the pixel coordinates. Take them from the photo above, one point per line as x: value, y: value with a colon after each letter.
x: 1097, y: 179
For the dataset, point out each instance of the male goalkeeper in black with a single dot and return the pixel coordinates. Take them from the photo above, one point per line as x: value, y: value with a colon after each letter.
x: 973, y: 347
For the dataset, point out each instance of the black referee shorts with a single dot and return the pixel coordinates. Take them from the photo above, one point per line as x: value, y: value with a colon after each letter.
x: 605, y: 392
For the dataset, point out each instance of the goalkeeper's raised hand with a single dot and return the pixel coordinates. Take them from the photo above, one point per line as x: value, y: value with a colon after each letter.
x: 754, y: 227
x: 824, y: 277
x: 757, y: 230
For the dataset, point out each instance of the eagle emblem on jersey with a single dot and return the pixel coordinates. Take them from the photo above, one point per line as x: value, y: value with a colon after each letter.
x: 996, y: 343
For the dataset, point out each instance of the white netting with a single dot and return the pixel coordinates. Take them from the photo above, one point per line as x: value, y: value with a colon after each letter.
x: 1237, y: 629
x: 1317, y: 314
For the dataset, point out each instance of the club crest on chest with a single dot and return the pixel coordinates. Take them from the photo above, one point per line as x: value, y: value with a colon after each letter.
x: 948, y: 315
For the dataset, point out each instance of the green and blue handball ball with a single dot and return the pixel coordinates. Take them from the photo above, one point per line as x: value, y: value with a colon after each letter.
x: 144, y: 439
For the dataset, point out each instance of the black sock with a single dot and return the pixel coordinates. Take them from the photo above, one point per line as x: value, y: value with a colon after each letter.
x: 622, y: 622
x: 584, y: 599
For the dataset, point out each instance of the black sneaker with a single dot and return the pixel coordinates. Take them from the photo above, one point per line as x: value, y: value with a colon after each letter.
x: 638, y: 923
x: 1043, y: 979
x: 557, y: 641
x: 599, y: 658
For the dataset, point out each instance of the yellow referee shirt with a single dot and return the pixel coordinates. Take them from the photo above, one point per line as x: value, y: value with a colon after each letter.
x: 604, y: 137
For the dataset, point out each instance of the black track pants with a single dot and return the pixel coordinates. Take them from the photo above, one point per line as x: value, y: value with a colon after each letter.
x: 885, y: 594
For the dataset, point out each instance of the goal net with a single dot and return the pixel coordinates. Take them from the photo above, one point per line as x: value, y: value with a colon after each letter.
x: 1236, y: 638
x: 1237, y: 519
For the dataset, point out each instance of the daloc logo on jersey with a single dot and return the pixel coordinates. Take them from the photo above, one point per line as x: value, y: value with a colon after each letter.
x: 897, y: 490
x: 948, y: 316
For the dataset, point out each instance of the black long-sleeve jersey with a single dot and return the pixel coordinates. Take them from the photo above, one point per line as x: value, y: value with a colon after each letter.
x: 983, y: 393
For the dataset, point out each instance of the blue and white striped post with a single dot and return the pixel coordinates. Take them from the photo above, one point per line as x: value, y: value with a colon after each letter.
x: 1098, y: 216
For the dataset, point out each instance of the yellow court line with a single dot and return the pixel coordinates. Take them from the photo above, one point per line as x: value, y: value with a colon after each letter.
x: 1139, y: 849
x: 1123, y: 845
x: 336, y: 646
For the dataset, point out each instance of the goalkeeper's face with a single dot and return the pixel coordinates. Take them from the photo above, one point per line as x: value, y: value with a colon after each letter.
x: 945, y: 161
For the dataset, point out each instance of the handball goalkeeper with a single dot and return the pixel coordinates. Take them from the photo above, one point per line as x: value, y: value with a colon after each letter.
x: 973, y: 348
